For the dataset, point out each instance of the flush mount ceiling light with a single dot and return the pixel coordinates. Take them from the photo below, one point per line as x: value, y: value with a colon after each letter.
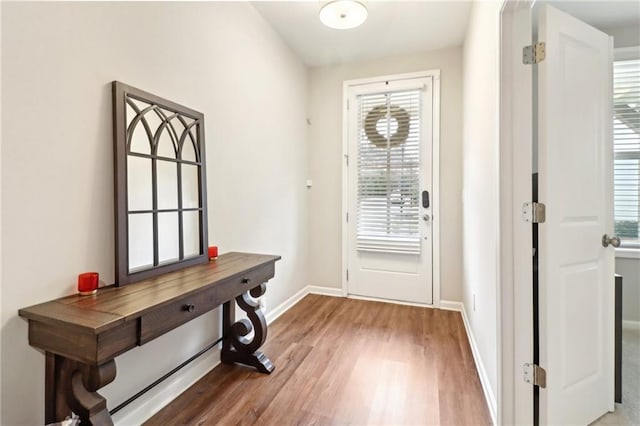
x: 343, y: 14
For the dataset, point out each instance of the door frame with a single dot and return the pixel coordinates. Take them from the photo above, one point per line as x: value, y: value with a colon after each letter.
x: 515, y: 295
x: 435, y: 178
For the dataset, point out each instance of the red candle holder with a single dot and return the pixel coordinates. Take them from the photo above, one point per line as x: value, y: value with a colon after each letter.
x: 213, y: 252
x: 88, y: 283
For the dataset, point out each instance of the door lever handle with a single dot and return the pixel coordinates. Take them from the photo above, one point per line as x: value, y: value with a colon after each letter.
x: 425, y: 199
x: 613, y: 240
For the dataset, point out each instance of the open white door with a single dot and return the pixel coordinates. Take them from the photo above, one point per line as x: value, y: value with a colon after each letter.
x: 575, y: 183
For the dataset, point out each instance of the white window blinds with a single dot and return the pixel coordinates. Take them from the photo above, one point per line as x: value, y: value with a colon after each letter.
x: 389, y: 172
x: 626, y: 143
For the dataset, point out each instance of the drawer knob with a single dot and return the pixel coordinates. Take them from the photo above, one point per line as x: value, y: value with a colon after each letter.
x: 246, y: 280
x: 189, y: 307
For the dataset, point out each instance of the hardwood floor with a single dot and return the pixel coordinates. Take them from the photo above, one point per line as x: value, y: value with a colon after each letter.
x: 346, y: 361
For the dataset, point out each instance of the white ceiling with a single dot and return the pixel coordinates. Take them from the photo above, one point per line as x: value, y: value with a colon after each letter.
x: 392, y: 28
x: 602, y: 14
x: 399, y: 27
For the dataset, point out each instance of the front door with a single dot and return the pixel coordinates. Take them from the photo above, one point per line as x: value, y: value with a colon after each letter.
x: 389, y: 191
x: 576, y: 270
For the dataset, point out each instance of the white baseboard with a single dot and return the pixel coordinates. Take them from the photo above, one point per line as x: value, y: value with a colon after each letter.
x: 631, y: 325
x: 157, y: 398
x: 394, y: 302
x: 449, y: 305
x: 273, y: 314
x: 325, y: 291
x: 482, y: 372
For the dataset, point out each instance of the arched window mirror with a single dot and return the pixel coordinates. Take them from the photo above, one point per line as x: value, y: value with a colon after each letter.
x: 160, y: 185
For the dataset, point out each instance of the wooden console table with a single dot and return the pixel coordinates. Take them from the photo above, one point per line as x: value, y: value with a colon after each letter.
x: 81, y: 335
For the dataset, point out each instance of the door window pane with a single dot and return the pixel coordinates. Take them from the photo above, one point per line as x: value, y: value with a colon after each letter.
x: 389, y: 172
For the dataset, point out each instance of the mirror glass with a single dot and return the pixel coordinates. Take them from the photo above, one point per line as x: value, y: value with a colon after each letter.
x: 141, y: 241
x: 167, y: 143
x: 140, y: 196
x: 190, y: 194
x: 188, y: 153
x: 160, y: 185
x: 139, y: 142
x: 167, y: 175
x: 191, y: 223
x: 168, y: 239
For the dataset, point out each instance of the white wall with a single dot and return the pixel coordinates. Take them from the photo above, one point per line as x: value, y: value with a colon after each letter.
x: 58, y: 60
x: 624, y: 35
x: 629, y: 268
x: 325, y: 161
x: 481, y: 183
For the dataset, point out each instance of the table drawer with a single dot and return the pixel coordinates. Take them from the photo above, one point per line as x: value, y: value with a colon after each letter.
x: 180, y: 311
x: 162, y: 320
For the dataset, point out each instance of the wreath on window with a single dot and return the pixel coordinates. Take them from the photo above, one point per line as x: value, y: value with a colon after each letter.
x: 380, y: 112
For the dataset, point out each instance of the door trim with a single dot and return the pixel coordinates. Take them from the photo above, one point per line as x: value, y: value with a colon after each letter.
x: 515, y: 295
x: 435, y: 155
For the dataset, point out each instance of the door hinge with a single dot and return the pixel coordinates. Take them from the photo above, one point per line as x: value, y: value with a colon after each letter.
x: 347, y: 216
x: 347, y: 275
x: 535, y: 375
x: 533, y: 54
x: 534, y: 212
x: 346, y: 158
x: 347, y: 104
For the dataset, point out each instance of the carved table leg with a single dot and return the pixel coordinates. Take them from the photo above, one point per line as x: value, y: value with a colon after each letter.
x: 235, y: 346
x: 72, y: 386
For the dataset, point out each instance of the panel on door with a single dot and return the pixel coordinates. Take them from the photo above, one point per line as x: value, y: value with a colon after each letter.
x: 576, y: 281
x: 389, y: 191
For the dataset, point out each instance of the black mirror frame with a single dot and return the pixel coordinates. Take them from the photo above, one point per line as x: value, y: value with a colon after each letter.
x: 123, y: 276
